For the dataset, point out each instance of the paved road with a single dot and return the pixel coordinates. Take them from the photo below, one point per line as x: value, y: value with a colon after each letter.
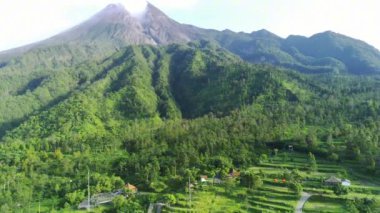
x: 157, y: 206
x: 151, y: 207
x: 305, y: 196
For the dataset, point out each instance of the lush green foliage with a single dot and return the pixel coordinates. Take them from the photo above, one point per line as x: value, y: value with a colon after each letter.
x: 155, y: 117
x: 326, y: 52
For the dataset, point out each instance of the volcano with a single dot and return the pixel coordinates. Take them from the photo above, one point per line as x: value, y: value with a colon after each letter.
x: 114, y: 28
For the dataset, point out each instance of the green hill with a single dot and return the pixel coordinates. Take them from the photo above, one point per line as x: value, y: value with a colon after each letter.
x: 178, y: 81
x: 136, y: 102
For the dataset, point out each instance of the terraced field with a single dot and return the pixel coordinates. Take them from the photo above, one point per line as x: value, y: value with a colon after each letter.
x: 276, y: 197
x: 266, y: 199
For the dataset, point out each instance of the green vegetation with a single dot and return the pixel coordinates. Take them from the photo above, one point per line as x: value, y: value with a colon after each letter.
x: 156, y: 117
x: 326, y: 52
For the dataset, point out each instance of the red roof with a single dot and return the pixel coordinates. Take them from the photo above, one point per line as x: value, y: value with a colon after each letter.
x: 131, y: 187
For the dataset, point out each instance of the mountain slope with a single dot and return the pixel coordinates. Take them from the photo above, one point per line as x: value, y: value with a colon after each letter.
x: 114, y: 28
x: 43, y: 73
x: 37, y: 76
x: 326, y: 52
x: 357, y: 56
x: 168, y: 83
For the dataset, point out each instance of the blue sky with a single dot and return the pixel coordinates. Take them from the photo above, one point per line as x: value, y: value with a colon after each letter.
x: 26, y: 21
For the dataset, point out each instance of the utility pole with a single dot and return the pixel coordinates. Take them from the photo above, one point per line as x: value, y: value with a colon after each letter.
x: 88, y: 189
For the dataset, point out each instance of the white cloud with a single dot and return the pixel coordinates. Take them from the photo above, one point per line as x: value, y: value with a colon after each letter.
x: 135, y: 7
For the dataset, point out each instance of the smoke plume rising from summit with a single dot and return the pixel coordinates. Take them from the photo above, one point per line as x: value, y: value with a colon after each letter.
x: 136, y: 8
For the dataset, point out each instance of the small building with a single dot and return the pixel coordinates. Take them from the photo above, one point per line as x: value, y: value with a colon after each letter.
x: 131, y: 188
x: 203, y: 178
x: 346, y: 182
x: 333, y: 181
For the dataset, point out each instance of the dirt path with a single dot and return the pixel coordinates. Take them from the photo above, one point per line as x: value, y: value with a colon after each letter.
x: 305, y: 196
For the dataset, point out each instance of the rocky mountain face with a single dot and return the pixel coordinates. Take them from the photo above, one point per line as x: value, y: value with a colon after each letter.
x: 115, y: 23
x: 114, y: 28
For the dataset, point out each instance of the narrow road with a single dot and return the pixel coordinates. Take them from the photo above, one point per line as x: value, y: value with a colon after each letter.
x: 305, y: 196
x: 157, y: 206
x: 150, y: 209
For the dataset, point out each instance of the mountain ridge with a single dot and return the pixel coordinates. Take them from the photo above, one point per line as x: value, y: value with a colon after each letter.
x: 81, y: 118
x: 114, y: 27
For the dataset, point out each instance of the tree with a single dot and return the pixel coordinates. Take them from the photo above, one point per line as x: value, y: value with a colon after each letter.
x: 312, y: 162
x: 123, y: 205
x: 340, y: 190
x: 250, y: 180
x: 169, y: 199
x: 5, y: 208
x: 371, y: 163
x: 158, y: 186
x: 263, y: 158
x: 333, y: 157
x: 350, y: 207
x: 74, y: 198
x: 285, y: 156
x: 295, y: 187
x: 311, y: 141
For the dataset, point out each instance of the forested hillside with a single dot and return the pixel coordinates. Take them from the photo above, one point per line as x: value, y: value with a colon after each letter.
x: 157, y: 103
x: 37, y: 76
x: 153, y: 116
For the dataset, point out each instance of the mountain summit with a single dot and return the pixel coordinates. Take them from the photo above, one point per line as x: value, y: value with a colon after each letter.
x: 114, y: 28
x: 115, y: 24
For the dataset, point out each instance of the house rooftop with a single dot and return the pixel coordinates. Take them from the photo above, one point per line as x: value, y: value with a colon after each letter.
x: 333, y: 179
x: 131, y: 187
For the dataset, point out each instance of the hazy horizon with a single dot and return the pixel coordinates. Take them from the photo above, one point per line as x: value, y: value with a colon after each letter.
x: 41, y: 19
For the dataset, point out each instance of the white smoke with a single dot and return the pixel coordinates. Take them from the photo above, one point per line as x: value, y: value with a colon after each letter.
x: 136, y: 7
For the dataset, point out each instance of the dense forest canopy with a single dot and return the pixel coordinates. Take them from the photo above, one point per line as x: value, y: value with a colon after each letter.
x: 155, y: 115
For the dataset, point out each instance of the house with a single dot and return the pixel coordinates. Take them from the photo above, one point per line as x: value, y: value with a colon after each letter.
x: 203, y: 178
x: 333, y: 181
x: 346, y: 182
x: 130, y: 188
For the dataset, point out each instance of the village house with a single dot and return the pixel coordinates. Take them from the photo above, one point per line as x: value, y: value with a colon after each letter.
x: 130, y: 188
x: 337, y: 181
x: 203, y: 178
x: 333, y: 181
